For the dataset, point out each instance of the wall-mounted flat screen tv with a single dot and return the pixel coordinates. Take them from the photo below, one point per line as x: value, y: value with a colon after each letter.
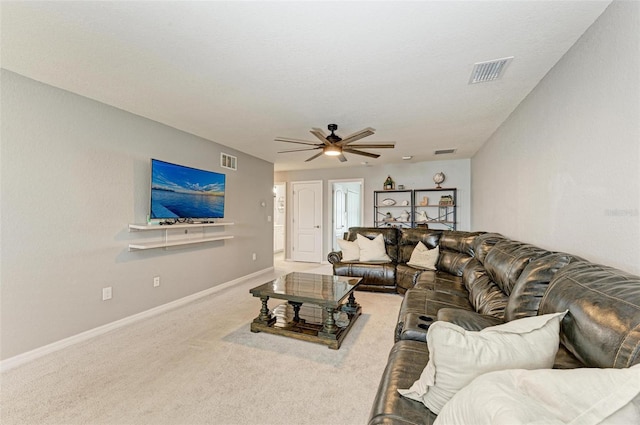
x: 179, y: 192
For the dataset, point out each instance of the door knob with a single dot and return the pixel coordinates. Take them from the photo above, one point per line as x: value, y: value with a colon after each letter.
x: 317, y: 227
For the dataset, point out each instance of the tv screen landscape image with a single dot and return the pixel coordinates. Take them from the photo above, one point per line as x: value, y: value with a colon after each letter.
x: 184, y: 192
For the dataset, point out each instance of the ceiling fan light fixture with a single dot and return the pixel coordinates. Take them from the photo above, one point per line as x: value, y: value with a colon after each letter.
x: 334, y: 145
x: 332, y: 150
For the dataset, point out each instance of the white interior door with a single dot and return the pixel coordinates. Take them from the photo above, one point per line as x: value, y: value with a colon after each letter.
x: 346, y: 206
x: 353, y: 207
x: 307, y: 221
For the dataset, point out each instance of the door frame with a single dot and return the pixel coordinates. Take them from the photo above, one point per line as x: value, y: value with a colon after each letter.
x: 330, y: 224
x: 290, y: 205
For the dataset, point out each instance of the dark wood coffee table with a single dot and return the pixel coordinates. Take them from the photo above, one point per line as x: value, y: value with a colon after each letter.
x: 323, y: 297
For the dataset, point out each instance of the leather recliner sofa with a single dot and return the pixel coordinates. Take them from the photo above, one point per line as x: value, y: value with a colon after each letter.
x: 396, y: 275
x: 601, y: 330
x: 485, y: 279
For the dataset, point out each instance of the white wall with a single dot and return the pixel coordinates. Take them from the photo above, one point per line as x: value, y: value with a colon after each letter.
x: 74, y: 173
x: 563, y: 171
x: 411, y: 175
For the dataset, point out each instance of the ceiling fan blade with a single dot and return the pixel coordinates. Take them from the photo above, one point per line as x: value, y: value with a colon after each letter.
x: 357, y: 136
x: 288, y: 140
x: 363, y: 153
x: 388, y: 145
x: 314, y: 156
x: 342, y: 158
x: 320, y: 135
x: 299, y: 150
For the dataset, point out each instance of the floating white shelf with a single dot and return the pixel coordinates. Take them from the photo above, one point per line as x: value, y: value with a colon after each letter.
x: 142, y: 227
x: 168, y: 242
x: 154, y: 245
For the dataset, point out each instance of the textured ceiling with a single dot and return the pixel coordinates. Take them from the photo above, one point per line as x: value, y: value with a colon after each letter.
x: 242, y: 73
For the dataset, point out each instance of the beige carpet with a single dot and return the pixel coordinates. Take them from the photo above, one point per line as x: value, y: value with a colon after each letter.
x: 200, y: 364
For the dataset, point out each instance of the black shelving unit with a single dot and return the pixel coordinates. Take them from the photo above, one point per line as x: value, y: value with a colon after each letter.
x: 437, y: 208
x: 386, y: 215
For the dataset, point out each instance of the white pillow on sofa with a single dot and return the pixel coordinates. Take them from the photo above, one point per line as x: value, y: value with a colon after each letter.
x: 457, y: 356
x: 580, y: 396
x: 423, y: 257
x: 350, y: 250
x: 372, y: 250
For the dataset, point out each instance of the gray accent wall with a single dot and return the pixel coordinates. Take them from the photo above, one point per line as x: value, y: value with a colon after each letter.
x: 75, y: 173
x: 413, y: 175
x: 563, y: 171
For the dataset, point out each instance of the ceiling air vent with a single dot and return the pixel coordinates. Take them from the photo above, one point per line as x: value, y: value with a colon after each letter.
x: 444, y: 151
x: 489, y: 71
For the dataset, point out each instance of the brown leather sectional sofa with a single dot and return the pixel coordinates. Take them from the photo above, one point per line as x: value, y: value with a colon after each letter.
x: 484, y: 279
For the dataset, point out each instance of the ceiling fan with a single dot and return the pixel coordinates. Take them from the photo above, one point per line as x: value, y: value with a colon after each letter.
x: 334, y: 145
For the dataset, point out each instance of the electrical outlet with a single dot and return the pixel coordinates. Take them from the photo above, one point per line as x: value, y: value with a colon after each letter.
x: 254, y: 256
x: 156, y: 281
x: 106, y: 293
x: 269, y: 218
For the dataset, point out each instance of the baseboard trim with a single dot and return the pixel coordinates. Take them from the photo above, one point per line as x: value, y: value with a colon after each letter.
x: 23, y: 358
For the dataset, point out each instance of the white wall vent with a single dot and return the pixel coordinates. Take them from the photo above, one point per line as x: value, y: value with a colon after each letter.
x: 489, y: 71
x: 228, y: 161
x: 444, y: 151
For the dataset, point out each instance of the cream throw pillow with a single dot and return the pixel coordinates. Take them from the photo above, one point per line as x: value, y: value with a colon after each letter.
x: 423, y: 257
x: 372, y: 250
x: 457, y: 356
x: 350, y: 250
x: 582, y: 396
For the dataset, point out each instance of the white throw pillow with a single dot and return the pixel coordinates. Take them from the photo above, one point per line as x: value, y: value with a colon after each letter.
x: 372, y: 250
x: 580, y: 396
x: 350, y: 250
x: 423, y: 257
x: 457, y: 356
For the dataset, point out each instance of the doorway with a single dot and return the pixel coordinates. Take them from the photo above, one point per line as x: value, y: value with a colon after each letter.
x: 306, y: 221
x: 346, y: 207
x: 279, y: 215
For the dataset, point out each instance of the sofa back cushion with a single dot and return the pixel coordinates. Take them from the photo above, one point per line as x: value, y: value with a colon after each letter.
x: 458, y: 241
x: 409, y: 238
x: 453, y: 262
x: 528, y: 290
x: 507, y: 259
x: 390, y: 235
x: 602, y: 328
x: 482, y: 244
x: 456, y: 251
x: 484, y: 294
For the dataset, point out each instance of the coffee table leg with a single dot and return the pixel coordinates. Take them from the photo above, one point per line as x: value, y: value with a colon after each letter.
x: 296, y: 311
x: 265, y: 315
x: 264, y: 319
x: 330, y: 323
x: 351, y: 306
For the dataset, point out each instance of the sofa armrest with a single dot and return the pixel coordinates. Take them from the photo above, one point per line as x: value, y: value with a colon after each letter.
x: 334, y: 257
x: 405, y: 364
x: 468, y: 320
